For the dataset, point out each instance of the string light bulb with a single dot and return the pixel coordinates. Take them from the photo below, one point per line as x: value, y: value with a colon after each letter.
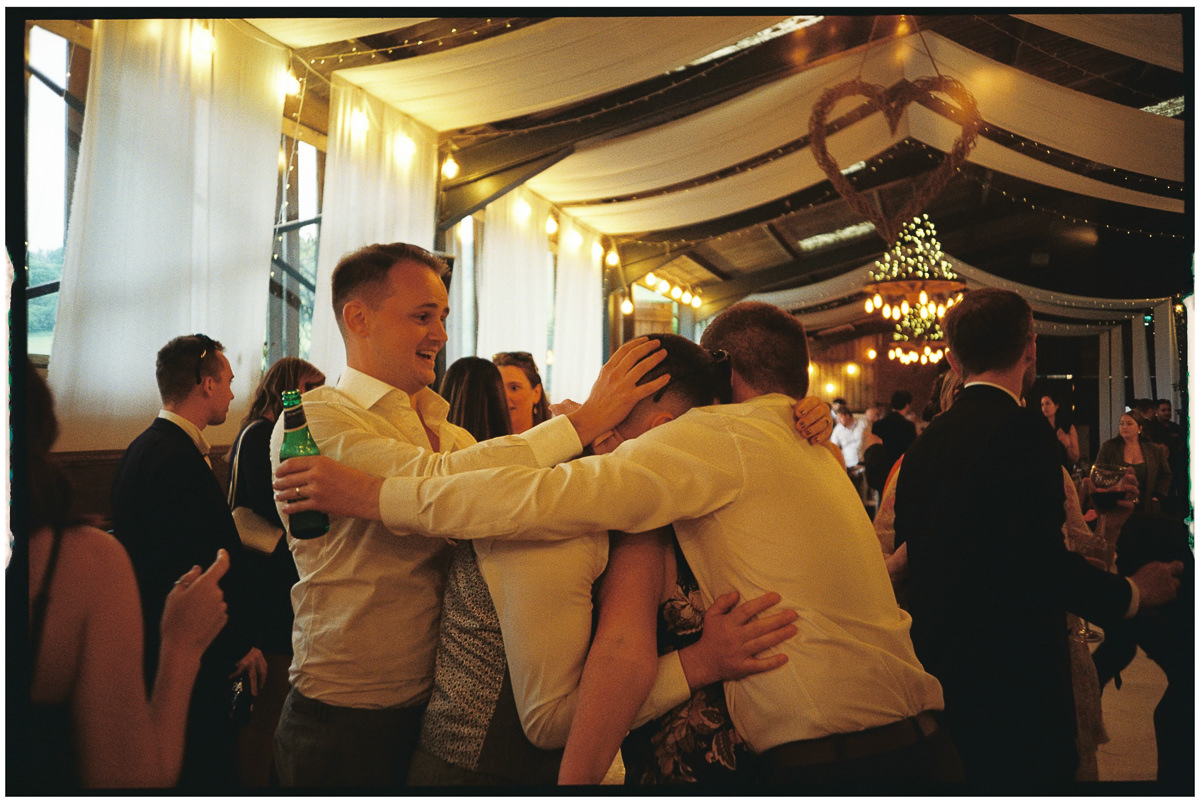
x: 449, y: 168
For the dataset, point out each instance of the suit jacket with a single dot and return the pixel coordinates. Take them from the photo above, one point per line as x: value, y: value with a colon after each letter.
x: 980, y: 504
x: 170, y: 514
x: 1158, y: 472
x: 897, y: 434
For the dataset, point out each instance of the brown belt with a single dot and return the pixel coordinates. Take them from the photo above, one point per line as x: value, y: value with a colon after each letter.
x: 852, y: 745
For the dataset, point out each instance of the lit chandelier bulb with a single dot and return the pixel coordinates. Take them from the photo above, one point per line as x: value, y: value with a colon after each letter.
x: 869, y: 307
x: 887, y: 311
x: 924, y: 298
x: 904, y: 307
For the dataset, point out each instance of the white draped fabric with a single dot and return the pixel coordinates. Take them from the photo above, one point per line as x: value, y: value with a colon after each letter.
x: 1166, y: 352
x: 301, y: 32
x: 516, y: 279
x: 772, y: 116
x: 578, y: 300
x: 380, y: 187
x: 1112, y: 383
x: 170, y: 231
x: 1153, y: 38
x: 552, y: 63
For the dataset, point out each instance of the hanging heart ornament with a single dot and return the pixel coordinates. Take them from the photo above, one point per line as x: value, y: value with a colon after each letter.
x: 892, y: 101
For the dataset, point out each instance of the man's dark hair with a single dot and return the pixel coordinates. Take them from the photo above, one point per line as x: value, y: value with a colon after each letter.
x: 363, y: 273
x: 989, y: 330
x: 901, y: 399
x: 183, y: 362
x: 697, y: 376
x: 767, y: 346
x: 1158, y: 403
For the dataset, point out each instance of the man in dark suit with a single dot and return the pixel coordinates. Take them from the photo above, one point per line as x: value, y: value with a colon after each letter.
x: 980, y: 504
x: 170, y: 514
x: 895, y: 431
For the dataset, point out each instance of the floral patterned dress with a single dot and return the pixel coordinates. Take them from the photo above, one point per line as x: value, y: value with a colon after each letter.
x: 695, y: 741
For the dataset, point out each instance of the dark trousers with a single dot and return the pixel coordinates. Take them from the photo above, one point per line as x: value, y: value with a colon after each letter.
x: 929, y: 762
x: 209, y: 755
x: 319, y: 745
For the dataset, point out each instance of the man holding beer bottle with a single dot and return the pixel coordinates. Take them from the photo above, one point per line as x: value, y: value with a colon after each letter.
x: 368, y: 601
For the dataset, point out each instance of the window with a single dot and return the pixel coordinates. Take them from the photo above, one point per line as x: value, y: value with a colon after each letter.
x: 294, y: 260
x: 57, y: 71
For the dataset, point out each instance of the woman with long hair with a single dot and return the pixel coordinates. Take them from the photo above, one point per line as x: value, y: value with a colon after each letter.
x: 474, y: 389
x: 92, y: 723
x: 274, y: 573
x: 527, y: 403
x: 1149, y: 462
x: 1064, y: 428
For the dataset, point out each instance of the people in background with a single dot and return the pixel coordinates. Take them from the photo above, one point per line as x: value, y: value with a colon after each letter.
x: 1063, y: 426
x: 848, y: 435
x: 93, y: 722
x: 474, y: 390
x: 979, y: 502
x: 1177, y: 503
x: 527, y: 403
x: 170, y: 513
x: 272, y: 574
x: 368, y: 601
x: 895, y: 429
x: 1148, y: 459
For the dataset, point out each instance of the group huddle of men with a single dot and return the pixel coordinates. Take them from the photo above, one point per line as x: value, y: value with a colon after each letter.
x: 844, y: 696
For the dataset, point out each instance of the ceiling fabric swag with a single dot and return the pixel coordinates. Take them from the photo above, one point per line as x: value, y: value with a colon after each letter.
x: 1153, y: 38
x: 556, y: 62
x: 1037, y: 110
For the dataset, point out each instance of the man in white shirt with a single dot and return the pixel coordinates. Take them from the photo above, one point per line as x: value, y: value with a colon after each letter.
x: 754, y: 509
x: 848, y: 435
x: 517, y: 621
x: 368, y: 601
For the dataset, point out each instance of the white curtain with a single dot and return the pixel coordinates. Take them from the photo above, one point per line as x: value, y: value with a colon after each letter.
x: 1112, y: 382
x: 515, y: 279
x: 1166, y: 353
x: 578, y: 312
x: 171, y: 219
x: 380, y: 187
x: 1140, y: 362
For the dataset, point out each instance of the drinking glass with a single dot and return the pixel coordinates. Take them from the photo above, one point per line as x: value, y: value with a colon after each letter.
x: 1105, y: 476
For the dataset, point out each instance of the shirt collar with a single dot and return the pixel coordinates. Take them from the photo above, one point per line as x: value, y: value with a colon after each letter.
x: 1015, y: 398
x: 369, y: 391
x: 188, y: 427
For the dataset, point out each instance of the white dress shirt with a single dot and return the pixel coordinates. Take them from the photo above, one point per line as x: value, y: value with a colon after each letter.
x: 849, y: 440
x: 542, y: 591
x: 368, y: 600
x: 756, y: 509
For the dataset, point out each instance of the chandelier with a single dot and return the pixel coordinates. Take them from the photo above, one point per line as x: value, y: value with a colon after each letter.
x: 913, y: 286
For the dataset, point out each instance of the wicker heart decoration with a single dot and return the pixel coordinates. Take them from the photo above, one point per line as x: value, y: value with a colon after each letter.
x: 892, y: 102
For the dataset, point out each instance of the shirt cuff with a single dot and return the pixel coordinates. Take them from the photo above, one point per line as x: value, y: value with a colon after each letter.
x: 1135, y: 600
x: 670, y: 689
x: 553, y: 441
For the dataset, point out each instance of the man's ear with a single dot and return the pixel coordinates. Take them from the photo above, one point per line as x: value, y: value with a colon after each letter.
x: 355, y: 315
x: 954, y: 364
x: 660, y: 417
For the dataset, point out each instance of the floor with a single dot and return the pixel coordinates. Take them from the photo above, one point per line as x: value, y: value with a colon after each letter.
x: 1129, y: 755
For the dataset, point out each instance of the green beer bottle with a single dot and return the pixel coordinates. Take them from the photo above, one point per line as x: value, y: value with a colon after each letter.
x: 297, y: 441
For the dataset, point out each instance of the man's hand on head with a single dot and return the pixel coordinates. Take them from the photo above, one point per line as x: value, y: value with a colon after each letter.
x: 616, y: 390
